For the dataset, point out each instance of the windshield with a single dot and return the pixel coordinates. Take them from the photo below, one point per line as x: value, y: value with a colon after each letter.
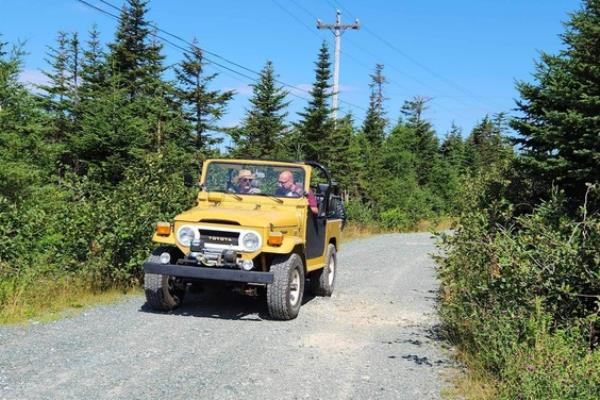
x: 255, y: 179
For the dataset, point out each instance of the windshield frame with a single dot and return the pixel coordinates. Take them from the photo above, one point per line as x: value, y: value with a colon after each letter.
x: 258, y: 163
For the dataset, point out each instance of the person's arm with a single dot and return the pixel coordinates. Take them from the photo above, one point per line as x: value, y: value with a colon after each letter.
x: 312, y: 202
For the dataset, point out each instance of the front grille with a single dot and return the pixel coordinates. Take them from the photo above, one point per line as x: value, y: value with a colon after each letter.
x: 209, y: 236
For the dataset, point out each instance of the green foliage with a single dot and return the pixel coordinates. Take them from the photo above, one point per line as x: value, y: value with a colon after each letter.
x: 520, y: 292
x: 203, y: 107
x: 264, y: 125
x: 521, y: 274
x: 375, y: 122
x: 23, y: 127
x: 92, y: 160
x: 135, y: 56
x: 559, y: 127
x: 316, y: 127
x: 100, y: 233
x: 487, y: 143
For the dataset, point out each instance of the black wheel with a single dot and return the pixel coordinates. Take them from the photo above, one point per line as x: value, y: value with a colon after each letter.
x: 322, y: 281
x: 284, y: 295
x: 163, y: 292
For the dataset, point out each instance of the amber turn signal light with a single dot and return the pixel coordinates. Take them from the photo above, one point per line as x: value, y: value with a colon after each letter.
x: 275, y: 238
x: 163, y: 228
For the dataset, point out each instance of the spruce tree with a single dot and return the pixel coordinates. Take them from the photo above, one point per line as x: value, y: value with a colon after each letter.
x: 25, y: 156
x: 315, y: 127
x: 57, y: 97
x: 203, y: 108
x: 559, y: 132
x: 453, y: 149
x: 342, y: 160
x: 135, y: 56
x: 486, y: 145
x: 375, y: 122
x: 426, y: 145
x: 94, y: 68
x: 264, y: 124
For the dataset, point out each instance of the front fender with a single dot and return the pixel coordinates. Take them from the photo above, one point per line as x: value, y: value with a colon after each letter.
x: 287, y: 247
x: 164, y: 239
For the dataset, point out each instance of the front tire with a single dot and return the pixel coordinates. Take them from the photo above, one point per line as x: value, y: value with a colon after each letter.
x: 284, y: 295
x: 322, y: 281
x: 163, y: 292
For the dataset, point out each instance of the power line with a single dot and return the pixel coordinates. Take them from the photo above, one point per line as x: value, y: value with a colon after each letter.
x: 193, y: 45
x: 356, y: 59
x: 336, y: 4
x: 224, y: 68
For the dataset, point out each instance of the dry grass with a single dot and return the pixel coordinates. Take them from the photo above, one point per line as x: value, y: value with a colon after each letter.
x: 46, y: 300
x: 473, y: 383
x: 356, y: 231
x: 50, y: 299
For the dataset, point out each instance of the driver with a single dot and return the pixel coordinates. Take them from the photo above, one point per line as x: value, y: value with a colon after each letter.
x: 244, y: 180
x: 287, y: 187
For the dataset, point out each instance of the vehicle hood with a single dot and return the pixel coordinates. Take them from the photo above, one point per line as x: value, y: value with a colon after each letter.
x: 245, y: 217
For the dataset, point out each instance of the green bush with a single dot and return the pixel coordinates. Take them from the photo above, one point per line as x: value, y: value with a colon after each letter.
x: 520, y: 294
x: 77, y: 226
x: 360, y: 212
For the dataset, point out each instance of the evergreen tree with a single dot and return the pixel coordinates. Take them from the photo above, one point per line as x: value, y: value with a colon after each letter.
x: 375, y: 122
x: 203, y: 107
x: 25, y: 157
x: 135, y: 57
x: 486, y: 145
x: 264, y: 124
x: 74, y: 66
x: 399, y: 156
x: 94, y: 68
x: 58, y: 92
x: 453, y: 149
x: 315, y: 127
x: 341, y: 160
x: 559, y: 130
x: 426, y: 144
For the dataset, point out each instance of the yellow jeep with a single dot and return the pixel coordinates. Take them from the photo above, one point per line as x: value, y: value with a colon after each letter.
x: 255, y: 223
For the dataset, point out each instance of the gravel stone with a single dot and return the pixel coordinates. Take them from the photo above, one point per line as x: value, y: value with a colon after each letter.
x: 376, y: 338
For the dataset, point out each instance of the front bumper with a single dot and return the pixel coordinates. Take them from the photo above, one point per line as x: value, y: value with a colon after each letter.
x: 210, y: 273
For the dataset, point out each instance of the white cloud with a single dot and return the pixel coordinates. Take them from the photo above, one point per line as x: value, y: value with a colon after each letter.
x: 241, y: 89
x: 33, y: 77
x: 301, y: 89
x: 232, y: 123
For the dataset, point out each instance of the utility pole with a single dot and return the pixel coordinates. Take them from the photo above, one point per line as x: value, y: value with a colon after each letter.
x: 338, y: 28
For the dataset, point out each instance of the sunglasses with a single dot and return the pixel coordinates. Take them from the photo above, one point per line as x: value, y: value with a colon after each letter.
x: 246, y: 179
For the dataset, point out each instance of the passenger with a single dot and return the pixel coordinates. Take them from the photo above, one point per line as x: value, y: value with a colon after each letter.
x: 244, y: 180
x: 287, y: 187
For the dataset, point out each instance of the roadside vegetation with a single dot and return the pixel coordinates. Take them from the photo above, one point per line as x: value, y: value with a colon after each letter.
x: 90, y: 160
x: 521, y: 274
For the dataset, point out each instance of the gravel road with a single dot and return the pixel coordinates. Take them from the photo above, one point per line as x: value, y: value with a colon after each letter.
x: 374, y: 339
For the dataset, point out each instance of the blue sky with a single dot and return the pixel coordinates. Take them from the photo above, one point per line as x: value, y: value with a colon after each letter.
x: 464, y: 54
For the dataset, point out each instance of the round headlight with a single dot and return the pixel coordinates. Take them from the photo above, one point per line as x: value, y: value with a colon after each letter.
x: 185, y: 235
x: 250, y: 241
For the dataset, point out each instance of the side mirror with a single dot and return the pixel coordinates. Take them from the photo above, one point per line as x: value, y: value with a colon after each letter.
x: 188, y: 179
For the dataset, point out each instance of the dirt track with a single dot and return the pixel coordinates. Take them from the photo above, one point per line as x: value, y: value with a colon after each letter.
x: 374, y: 339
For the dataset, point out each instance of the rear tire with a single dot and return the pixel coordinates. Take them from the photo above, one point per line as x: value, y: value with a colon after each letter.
x: 163, y: 292
x: 284, y: 295
x: 322, y: 281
